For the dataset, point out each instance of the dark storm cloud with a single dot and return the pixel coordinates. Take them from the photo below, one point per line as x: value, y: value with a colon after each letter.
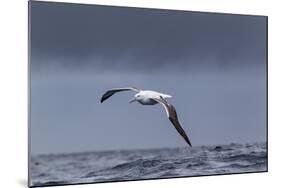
x: 214, y: 66
x: 87, y: 36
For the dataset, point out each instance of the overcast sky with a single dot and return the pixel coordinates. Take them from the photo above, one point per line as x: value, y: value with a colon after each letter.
x: 214, y: 66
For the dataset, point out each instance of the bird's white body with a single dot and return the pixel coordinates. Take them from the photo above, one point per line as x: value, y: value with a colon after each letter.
x: 145, y: 97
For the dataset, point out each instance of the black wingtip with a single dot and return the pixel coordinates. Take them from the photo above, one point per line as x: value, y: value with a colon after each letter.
x: 188, y: 142
x: 102, y: 99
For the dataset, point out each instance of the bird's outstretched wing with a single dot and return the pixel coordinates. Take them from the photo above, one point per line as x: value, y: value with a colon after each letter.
x: 111, y: 92
x: 173, y: 117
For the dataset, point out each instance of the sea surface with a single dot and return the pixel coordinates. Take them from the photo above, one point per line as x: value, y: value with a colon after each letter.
x: 104, y: 166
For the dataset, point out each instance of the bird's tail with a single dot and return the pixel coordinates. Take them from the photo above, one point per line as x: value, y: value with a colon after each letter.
x: 166, y: 96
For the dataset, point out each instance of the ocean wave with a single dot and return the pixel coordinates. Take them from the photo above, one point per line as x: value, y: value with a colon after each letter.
x: 146, y: 164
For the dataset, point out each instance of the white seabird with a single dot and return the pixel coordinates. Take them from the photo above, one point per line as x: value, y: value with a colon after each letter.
x: 147, y: 97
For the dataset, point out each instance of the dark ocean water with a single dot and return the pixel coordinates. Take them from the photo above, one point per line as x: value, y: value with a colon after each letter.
x: 57, y: 169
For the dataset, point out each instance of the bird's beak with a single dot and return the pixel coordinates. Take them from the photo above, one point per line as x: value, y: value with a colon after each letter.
x: 133, y: 100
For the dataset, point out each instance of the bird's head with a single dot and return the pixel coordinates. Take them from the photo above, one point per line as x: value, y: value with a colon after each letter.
x: 136, y: 98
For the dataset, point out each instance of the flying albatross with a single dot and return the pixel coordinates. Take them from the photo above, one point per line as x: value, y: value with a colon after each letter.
x: 147, y: 97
